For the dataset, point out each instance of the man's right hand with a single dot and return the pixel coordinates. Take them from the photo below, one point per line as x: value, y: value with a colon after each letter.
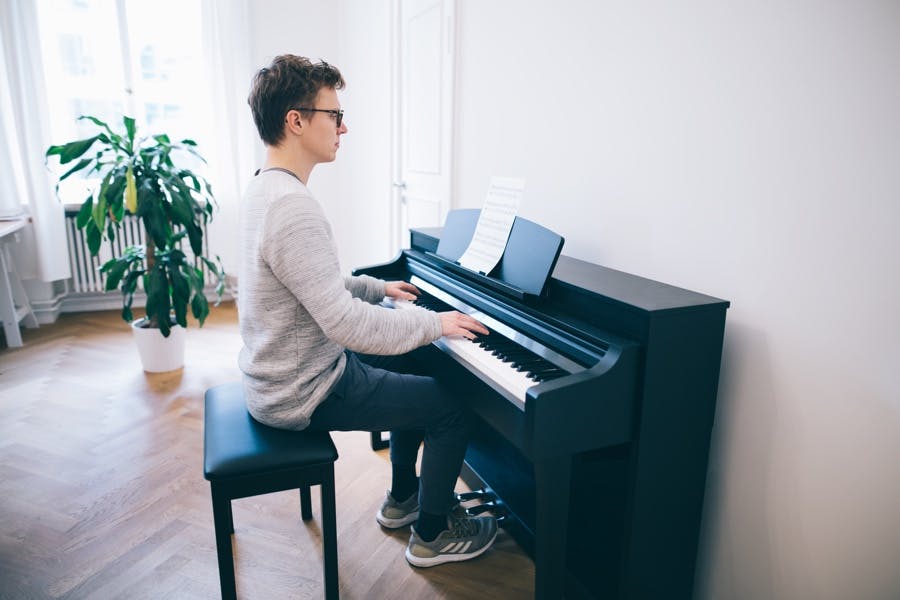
x: 455, y: 323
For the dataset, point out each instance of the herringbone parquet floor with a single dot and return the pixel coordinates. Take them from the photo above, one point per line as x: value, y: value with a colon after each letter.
x: 102, y: 492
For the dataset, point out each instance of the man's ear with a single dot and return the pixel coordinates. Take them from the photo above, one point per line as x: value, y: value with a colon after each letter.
x: 294, y: 123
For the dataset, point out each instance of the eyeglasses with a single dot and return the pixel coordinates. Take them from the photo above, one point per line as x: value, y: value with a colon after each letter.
x: 337, y: 114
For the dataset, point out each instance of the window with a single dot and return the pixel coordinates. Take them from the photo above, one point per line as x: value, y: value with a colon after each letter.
x: 107, y: 58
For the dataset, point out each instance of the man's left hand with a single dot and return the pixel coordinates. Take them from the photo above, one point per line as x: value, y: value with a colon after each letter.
x: 401, y: 290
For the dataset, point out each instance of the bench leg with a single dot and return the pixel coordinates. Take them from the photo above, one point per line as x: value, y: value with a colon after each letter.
x: 305, y: 503
x: 377, y: 441
x: 329, y: 534
x: 230, y: 518
x: 224, y: 528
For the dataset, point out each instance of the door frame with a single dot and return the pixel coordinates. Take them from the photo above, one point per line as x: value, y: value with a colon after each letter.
x: 399, y: 237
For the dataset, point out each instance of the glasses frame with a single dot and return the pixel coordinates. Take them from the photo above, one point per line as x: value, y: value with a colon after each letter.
x: 337, y: 114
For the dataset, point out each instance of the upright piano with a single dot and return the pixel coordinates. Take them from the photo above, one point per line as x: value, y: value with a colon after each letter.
x: 594, y: 403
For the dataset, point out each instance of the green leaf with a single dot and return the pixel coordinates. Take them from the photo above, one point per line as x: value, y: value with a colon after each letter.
x: 72, y: 150
x: 114, y: 139
x: 129, y: 284
x: 113, y: 191
x: 118, y: 211
x: 99, y: 213
x: 98, y: 122
x: 151, y: 296
x: 84, y: 213
x: 81, y: 164
x: 165, y: 325
x: 195, y: 181
x: 188, y: 142
x: 195, y: 276
x: 181, y: 292
x: 195, y: 153
x: 114, y: 273
x: 93, y: 238
x: 158, y: 299
x: 130, y: 128
x: 200, y: 308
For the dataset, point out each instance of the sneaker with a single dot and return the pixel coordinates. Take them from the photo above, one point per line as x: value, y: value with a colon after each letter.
x: 465, y: 538
x: 393, y: 514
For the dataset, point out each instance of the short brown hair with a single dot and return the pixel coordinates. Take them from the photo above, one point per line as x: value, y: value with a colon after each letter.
x: 289, y: 82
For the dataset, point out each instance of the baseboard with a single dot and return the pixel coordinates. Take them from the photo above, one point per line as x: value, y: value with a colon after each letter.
x: 94, y: 301
x: 47, y: 311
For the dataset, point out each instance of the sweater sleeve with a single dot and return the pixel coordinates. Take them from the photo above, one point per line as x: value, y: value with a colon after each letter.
x: 366, y: 288
x: 297, y: 246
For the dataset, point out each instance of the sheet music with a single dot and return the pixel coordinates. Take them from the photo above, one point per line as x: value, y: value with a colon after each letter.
x: 494, y: 224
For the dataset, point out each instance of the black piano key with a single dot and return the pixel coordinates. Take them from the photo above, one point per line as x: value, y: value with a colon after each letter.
x: 523, y: 360
x: 520, y: 355
x: 547, y: 376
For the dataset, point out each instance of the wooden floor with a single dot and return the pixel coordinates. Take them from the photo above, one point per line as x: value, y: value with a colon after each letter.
x: 102, y: 492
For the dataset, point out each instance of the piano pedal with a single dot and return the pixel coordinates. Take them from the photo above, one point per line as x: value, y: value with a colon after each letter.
x: 483, y: 494
x: 496, y: 508
x: 482, y: 508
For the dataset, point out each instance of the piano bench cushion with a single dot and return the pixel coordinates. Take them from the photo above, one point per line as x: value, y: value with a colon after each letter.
x: 237, y: 445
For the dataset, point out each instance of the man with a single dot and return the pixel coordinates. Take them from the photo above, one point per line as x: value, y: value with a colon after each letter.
x: 313, y: 340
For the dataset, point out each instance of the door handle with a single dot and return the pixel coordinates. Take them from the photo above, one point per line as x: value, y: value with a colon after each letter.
x: 399, y: 184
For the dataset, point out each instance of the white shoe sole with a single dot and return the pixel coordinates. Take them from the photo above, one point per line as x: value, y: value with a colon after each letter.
x: 396, y: 523
x: 418, y: 561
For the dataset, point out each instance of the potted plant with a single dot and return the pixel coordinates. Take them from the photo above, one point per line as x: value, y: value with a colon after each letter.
x: 140, y: 176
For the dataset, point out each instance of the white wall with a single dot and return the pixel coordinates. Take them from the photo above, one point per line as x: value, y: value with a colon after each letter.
x: 354, y: 35
x: 752, y: 152
x: 746, y: 151
x: 306, y: 28
x: 364, y: 161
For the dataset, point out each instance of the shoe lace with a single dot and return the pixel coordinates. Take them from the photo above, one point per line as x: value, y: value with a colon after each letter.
x: 462, y: 527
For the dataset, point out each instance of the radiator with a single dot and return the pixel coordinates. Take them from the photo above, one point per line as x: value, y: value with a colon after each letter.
x: 86, y: 275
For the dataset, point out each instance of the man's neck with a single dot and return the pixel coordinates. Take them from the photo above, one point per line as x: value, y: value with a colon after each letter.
x: 282, y: 158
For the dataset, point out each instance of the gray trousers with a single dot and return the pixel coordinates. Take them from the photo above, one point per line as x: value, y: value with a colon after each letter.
x: 382, y: 393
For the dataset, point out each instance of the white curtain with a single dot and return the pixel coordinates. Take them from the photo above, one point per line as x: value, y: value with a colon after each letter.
x: 25, y: 137
x: 233, y: 143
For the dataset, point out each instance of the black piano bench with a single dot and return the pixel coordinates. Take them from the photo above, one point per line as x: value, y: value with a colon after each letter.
x: 242, y: 458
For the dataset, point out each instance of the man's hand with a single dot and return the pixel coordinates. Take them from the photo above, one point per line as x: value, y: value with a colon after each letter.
x: 456, y: 323
x: 401, y: 290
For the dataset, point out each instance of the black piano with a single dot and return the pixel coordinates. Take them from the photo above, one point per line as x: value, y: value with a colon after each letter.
x: 595, y: 400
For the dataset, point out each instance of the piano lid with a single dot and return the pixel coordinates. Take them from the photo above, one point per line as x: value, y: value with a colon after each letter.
x: 630, y: 291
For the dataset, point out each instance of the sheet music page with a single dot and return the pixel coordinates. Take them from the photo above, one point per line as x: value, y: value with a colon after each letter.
x: 494, y: 224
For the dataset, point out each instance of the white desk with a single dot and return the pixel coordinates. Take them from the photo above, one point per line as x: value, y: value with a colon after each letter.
x: 14, y: 304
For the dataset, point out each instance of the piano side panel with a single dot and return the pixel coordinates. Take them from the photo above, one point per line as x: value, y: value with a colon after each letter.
x: 585, y: 411
x: 597, y: 521
x: 683, y: 357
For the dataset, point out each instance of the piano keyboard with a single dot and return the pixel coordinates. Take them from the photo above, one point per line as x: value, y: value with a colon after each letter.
x: 504, y: 359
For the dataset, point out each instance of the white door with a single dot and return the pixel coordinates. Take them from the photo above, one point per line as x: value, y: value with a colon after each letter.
x: 424, y: 42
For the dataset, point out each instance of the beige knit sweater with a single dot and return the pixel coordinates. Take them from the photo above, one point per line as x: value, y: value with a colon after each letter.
x: 298, y: 313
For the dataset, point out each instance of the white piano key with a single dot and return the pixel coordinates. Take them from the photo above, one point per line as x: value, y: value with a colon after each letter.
x: 516, y: 383
x: 493, y: 370
x: 498, y: 327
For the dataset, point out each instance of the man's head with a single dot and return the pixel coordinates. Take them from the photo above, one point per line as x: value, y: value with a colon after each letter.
x: 290, y: 83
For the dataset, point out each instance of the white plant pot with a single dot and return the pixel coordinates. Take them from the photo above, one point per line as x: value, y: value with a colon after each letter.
x: 159, y: 354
